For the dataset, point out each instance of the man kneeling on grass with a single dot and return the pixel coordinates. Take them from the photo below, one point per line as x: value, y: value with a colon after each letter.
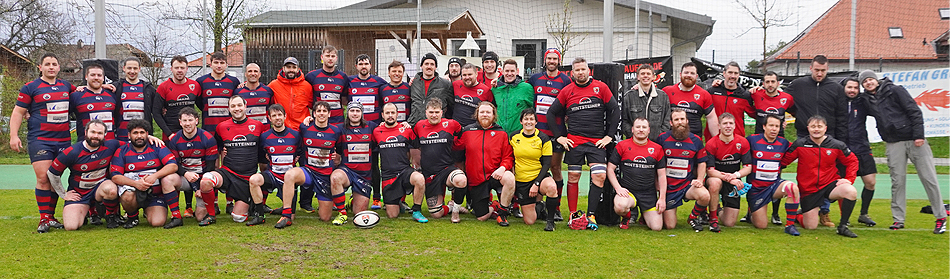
x: 146, y: 177
x: 643, y: 174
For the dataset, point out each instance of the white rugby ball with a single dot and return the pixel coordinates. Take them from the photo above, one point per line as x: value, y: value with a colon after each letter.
x: 366, y: 219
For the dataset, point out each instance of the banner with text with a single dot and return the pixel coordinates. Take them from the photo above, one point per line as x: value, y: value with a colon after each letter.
x: 931, y: 90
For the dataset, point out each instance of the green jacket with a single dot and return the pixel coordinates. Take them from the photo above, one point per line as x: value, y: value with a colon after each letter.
x: 511, y: 99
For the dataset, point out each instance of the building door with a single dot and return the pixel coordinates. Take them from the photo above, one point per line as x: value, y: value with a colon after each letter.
x: 533, y: 51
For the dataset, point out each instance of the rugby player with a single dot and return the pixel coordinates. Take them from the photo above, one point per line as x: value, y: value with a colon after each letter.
x: 330, y: 84
x: 258, y: 97
x: 468, y: 94
x: 356, y: 168
x: 396, y: 92
x: 216, y: 89
x: 172, y: 96
x: 592, y: 115
x: 365, y: 88
x: 818, y: 179
x: 94, y: 102
x: 685, y: 169
x: 489, y: 164
x: 532, y: 151
x: 88, y: 164
x: 693, y: 99
x: 436, y: 137
x: 547, y: 85
x: 399, y: 178
x: 770, y: 100
x: 729, y: 96
x: 767, y: 150
x: 145, y: 176
x: 281, y: 147
x: 727, y: 163
x: 489, y: 73
x: 196, y: 152
x: 643, y: 170
x: 455, y: 69
x: 318, y: 141
x: 136, y: 98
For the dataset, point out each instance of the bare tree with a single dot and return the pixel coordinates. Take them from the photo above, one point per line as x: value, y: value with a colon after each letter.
x: 223, y: 21
x: 26, y: 25
x: 766, y: 16
x: 560, y: 25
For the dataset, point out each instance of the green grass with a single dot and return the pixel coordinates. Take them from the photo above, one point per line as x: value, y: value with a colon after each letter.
x: 405, y: 249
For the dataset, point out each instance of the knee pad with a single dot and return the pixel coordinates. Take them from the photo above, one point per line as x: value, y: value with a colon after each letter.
x: 238, y: 217
x: 210, y: 177
x: 574, y: 168
x: 598, y: 169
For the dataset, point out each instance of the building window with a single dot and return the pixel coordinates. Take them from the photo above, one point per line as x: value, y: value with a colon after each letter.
x: 944, y: 13
x: 456, y: 44
x: 895, y: 32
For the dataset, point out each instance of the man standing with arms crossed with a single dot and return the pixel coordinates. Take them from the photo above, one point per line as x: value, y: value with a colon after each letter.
x: 547, y: 85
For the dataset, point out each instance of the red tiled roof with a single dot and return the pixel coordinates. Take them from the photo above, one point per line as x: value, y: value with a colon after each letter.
x: 234, y: 52
x: 829, y: 34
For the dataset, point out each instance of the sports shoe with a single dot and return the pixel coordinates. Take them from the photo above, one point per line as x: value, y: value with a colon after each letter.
x: 53, y: 223
x: 624, y: 223
x: 208, y: 220
x: 95, y: 220
x: 43, y: 227
x: 418, y: 216
x: 776, y: 220
x: 277, y: 211
x: 502, y: 220
x: 188, y: 213
x: 454, y: 209
x: 377, y: 204
x: 131, y: 222
x: 746, y: 219
x: 790, y: 229
x: 173, y: 223
x: 340, y: 219
x: 283, y: 223
x: 549, y: 227
x: 266, y: 209
x: 557, y: 216
x: 694, y: 222
x: 941, y: 226
x: 897, y: 226
x: 308, y: 208
x: 112, y: 221
x: 404, y: 207
x: 703, y: 218
x: 843, y: 230
x: 229, y: 208
x: 825, y: 220
x: 516, y: 211
x: 865, y: 219
x: 714, y: 227
x: 592, y: 223
x: 217, y: 209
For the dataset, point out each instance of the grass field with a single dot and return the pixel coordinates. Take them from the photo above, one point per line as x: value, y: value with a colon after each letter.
x: 405, y: 249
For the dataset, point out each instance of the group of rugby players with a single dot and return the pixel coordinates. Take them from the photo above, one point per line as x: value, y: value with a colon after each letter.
x: 476, y: 130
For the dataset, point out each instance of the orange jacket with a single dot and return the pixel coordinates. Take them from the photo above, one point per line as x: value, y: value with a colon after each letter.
x: 296, y: 95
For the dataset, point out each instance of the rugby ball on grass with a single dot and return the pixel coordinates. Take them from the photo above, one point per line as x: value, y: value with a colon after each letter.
x: 366, y: 219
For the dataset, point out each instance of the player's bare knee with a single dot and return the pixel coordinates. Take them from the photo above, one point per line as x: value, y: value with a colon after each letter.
x: 256, y: 180
x: 458, y: 179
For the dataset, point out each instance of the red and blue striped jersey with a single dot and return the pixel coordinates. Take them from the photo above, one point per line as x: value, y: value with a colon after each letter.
x: 242, y: 140
x: 682, y: 159
x: 435, y: 144
x: 48, y: 105
x: 89, y: 105
x: 257, y: 102
x: 467, y: 99
x: 367, y: 93
x: 132, y: 107
x: 399, y: 96
x: 357, y: 145
x: 330, y: 88
x: 197, y: 154
x: 136, y: 165
x: 394, y: 144
x: 546, y: 89
x: 213, y: 98
x: 766, y: 159
x: 281, y: 149
x: 86, y: 167
x: 727, y: 156
x: 320, y: 144
x: 173, y: 97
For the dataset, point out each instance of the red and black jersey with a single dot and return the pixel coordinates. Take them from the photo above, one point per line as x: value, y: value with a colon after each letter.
x: 696, y: 102
x: 281, y: 150
x: 638, y: 164
x: 86, y: 167
x: 394, y: 144
x: 48, y: 105
x: 135, y: 165
x: 172, y: 97
x: 435, y: 144
x: 330, y: 88
x: 728, y: 156
x: 766, y: 159
x: 590, y: 110
x: 485, y: 151
x: 366, y: 91
x: 257, y: 100
x: 546, y: 89
x: 399, y: 96
x: 482, y: 78
x: 682, y: 159
x: 197, y: 154
x: 242, y: 140
x: 135, y: 102
x: 467, y: 99
x: 766, y: 105
x: 818, y: 163
x: 89, y: 105
x: 319, y: 145
x: 357, y: 144
x: 213, y: 97
x: 736, y: 102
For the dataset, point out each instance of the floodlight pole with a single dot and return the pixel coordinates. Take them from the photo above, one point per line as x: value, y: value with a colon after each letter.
x: 100, y: 29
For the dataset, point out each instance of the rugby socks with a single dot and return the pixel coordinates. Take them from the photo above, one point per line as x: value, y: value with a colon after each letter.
x: 775, y: 208
x: 866, y: 197
x: 43, y: 200
x: 264, y: 193
x: 416, y: 207
x: 458, y: 195
x: 560, y: 186
x: 593, y: 198
x: 572, y: 196
x: 846, y: 206
x: 287, y: 212
x: 714, y: 216
x: 208, y: 198
x: 112, y: 206
x: 553, y: 205
x: 189, y: 195
x: 171, y: 199
x: 339, y: 202
x: 132, y: 214
x: 791, y: 213
x: 53, y: 202
x: 697, y: 210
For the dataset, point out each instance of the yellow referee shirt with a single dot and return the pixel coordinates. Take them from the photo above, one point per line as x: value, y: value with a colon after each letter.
x: 528, y: 151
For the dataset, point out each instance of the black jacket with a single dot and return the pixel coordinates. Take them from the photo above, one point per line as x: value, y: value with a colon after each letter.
x: 897, y: 114
x: 438, y: 88
x: 858, y: 112
x: 825, y: 98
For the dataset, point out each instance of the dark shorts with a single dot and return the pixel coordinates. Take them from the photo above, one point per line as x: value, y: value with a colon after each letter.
x: 727, y: 201
x: 458, y: 156
x: 523, y: 193
x: 759, y: 197
x: 394, y: 188
x: 435, y: 184
x: 675, y: 199
x: 816, y: 199
x: 584, y: 154
x: 44, y: 150
x: 235, y: 187
x: 479, y: 196
x: 86, y: 196
x: 866, y: 165
x: 361, y: 185
x: 318, y: 183
x: 271, y: 182
x: 556, y: 147
x: 646, y: 199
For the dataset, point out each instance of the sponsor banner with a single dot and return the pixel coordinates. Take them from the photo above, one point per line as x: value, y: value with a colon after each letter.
x: 662, y: 68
